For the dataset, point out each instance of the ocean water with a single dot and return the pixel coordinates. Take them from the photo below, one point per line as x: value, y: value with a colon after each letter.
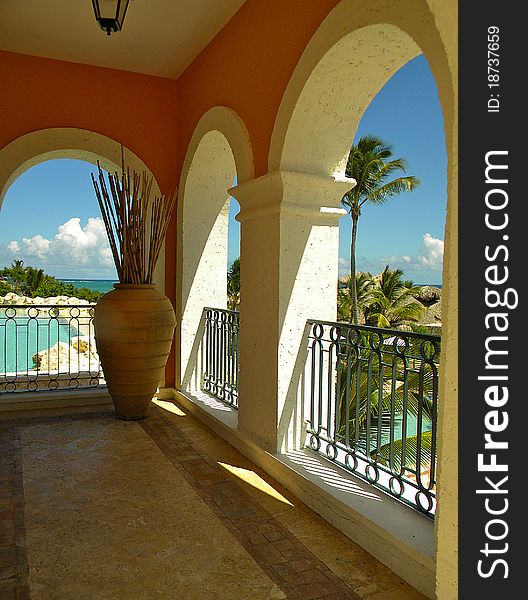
x: 98, y: 285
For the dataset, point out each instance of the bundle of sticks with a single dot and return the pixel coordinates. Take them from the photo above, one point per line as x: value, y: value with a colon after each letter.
x: 136, y: 224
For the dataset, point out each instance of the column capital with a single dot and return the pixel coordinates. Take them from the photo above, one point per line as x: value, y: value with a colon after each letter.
x: 293, y: 193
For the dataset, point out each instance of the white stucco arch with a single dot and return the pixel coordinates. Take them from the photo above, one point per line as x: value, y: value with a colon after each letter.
x: 352, y: 54
x: 218, y: 152
x: 42, y: 145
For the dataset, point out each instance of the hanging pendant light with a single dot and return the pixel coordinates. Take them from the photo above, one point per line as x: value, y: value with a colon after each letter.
x: 110, y: 14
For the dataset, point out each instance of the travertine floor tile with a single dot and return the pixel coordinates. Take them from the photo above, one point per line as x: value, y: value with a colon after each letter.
x: 107, y: 516
x: 163, y: 509
x: 357, y: 568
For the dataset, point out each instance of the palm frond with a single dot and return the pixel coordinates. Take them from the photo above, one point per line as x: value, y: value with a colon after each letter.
x: 405, y: 451
x: 393, y: 188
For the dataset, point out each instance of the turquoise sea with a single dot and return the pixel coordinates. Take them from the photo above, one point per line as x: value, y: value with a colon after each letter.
x: 98, y: 285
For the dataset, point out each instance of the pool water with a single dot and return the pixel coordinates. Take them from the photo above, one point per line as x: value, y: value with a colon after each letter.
x: 21, y: 338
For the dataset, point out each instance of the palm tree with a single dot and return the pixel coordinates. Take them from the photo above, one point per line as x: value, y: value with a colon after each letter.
x: 369, y: 409
x: 34, y: 279
x: 370, y: 164
x: 16, y: 274
x: 17, y: 265
x: 393, y: 303
x: 365, y: 295
x: 233, y: 285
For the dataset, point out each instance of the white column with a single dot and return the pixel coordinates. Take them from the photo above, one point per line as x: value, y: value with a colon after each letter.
x: 289, y: 271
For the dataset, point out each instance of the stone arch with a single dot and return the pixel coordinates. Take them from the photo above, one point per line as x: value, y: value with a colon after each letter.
x: 353, y: 53
x: 349, y: 59
x: 219, y: 151
x: 42, y: 145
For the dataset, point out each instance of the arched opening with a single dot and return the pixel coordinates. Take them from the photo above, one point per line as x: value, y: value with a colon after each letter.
x: 406, y: 231
x: 333, y: 96
x: 218, y: 155
x: 46, y: 325
x: 346, y: 63
x: 70, y: 143
x: 233, y: 255
x: 55, y: 222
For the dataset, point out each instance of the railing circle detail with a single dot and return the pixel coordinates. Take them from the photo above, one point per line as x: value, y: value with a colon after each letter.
x: 315, y: 442
x: 428, y: 350
x: 331, y: 451
x: 421, y: 494
x: 317, y: 331
x: 372, y: 478
x: 348, y: 458
x: 397, y: 491
x: 335, y: 334
x: 400, y: 349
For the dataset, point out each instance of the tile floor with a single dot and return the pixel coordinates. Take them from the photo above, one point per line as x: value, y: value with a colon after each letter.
x: 96, y: 508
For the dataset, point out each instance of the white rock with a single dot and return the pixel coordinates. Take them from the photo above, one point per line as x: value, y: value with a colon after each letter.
x: 65, y: 358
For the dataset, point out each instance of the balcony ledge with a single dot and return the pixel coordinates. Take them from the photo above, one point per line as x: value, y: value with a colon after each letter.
x: 35, y: 404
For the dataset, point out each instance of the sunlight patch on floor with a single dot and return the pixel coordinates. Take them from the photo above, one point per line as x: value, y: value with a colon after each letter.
x: 169, y: 406
x: 251, y: 478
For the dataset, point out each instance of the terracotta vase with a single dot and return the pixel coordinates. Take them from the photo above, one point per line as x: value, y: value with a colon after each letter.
x: 134, y: 325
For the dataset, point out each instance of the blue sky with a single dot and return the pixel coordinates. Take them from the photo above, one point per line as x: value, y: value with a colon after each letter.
x: 50, y: 217
x: 408, y: 231
x: 406, y: 113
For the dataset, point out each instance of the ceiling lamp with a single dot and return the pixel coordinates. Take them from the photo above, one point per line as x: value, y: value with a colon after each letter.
x: 110, y: 14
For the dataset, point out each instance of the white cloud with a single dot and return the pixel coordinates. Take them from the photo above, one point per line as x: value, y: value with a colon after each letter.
x: 344, y: 266
x: 36, y: 246
x: 75, y: 250
x: 432, y: 253
x: 428, y: 259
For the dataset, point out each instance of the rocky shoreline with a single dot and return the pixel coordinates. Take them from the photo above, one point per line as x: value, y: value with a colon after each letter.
x: 64, y: 306
x: 431, y: 299
x: 14, y: 299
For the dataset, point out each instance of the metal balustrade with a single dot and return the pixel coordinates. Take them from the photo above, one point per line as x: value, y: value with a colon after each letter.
x: 220, y: 354
x: 372, y: 400
x: 48, y: 347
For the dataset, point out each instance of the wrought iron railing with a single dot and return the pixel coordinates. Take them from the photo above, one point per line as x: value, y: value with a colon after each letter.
x: 220, y: 354
x: 372, y: 406
x: 47, y: 347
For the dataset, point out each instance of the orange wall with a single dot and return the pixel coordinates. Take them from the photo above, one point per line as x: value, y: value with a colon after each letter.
x: 247, y: 67
x: 137, y: 110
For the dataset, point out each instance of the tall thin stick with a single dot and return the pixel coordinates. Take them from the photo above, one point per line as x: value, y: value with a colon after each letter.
x: 136, y: 225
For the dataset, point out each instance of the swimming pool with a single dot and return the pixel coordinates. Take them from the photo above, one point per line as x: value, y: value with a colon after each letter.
x: 22, y: 337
